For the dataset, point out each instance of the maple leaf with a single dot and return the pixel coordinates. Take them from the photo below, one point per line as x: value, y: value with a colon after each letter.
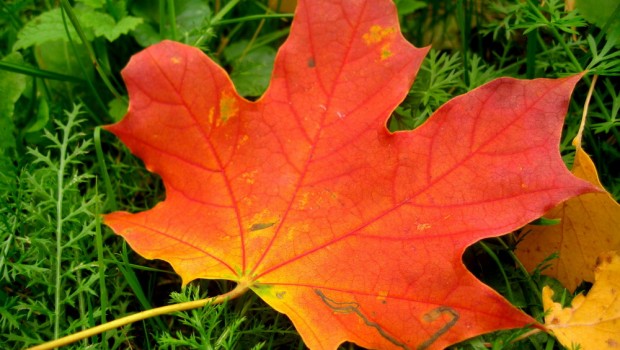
x: 304, y: 196
x: 589, y: 225
x: 592, y: 321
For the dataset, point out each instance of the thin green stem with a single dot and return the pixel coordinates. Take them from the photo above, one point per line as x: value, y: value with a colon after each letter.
x: 530, y: 282
x: 59, y: 221
x: 532, y: 285
x: 89, y: 49
x: 465, y: 28
x: 224, y: 11
x: 65, y: 49
x: 252, y: 18
x: 38, y: 73
x: 162, y: 18
x: 81, y: 301
x: 172, y: 20
x: 495, y: 258
x: 127, y: 270
x: 252, y: 40
x: 531, y: 52
x: 91, y: 85
x: 110, y: 201
x: 103, y: 291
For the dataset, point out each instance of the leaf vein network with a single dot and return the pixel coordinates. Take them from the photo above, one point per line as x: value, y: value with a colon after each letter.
x: 384, y: 213
x: 310, y: 159
x: 218, y: 160
x: 185, y: 242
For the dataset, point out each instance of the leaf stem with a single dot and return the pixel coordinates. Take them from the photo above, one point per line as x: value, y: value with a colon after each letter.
x: 531, y: 53
x: 464, y: 22
x: 172, y: 20
x: 252, y: 18
x: 37, y: 72
x: 89, y: 49
x: 162, y: 19
x: 239, y: 290
x: 110, y: 200
x: 577, y: 139
x: 103, y: 291
x: 495, y: 258
x: 528, y: 278
x: 221, y: 13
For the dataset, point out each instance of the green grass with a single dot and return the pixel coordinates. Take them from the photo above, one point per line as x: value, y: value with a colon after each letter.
x: 62, y: 271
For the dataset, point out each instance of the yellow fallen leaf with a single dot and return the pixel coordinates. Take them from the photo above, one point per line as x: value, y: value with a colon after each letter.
x: 590, y: 225
x: 592, y: 321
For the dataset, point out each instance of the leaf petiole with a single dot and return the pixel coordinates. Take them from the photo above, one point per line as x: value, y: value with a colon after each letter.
x: 239, y: 290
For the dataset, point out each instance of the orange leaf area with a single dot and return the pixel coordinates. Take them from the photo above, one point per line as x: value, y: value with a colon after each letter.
x: 353, y: 232
x: 590, y: 225
x: 592, y: 321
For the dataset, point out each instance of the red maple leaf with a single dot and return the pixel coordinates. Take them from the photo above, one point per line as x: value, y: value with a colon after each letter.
x: 354, y: 232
